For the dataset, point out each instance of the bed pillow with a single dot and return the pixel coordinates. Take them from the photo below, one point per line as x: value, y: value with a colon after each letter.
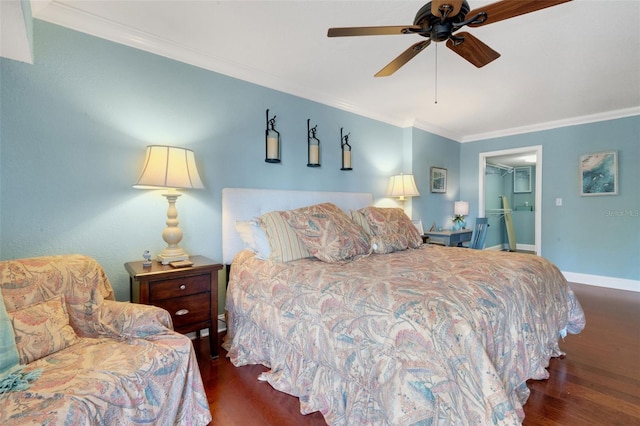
x: 327, y: 232
x: 383, y: 244
x: 358, y: 217
x: 283, y: 242
x: 42, y: 329
x: 389, y: 221
x: 254, y: 237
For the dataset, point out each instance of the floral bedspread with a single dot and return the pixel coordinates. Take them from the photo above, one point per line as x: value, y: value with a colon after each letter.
x: 127, y: 367
x: 435, y: 335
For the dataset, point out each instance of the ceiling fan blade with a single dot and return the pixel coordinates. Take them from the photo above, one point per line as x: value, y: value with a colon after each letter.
x: 403, y: 58
x: 367, y: 31
x: 473, y: 50
x: 453, y: 6
x: 506, y: 9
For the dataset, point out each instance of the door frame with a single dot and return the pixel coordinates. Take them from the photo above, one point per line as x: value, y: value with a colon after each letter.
x: 537, y: 149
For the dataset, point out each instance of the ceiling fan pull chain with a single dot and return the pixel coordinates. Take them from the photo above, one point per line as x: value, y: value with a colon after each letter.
x: 436, y: 74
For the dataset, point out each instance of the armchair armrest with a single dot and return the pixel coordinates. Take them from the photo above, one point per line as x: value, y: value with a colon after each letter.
x: 131, y: 320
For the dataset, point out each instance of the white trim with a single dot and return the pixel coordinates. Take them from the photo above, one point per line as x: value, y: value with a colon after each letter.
x: 222, y: 323
x: 437, y: 130
x: 602, y: 281
x: 222, y: 326
x: 525, y: 247
x: 573, y: 121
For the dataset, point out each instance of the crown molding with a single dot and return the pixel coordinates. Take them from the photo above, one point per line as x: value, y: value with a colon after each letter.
x: 439, y: 131
x: 574, y: 121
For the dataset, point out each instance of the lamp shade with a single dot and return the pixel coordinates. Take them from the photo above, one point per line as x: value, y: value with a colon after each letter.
x: 401, y: 186
x: 169, y: 167
x: 461, y: 208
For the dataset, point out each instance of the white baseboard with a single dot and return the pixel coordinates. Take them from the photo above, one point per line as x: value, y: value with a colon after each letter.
x: 602, y: 281
x: 222, y: 326
x: 526, y: 247
x: 222, y: 323
x: 595, y: 280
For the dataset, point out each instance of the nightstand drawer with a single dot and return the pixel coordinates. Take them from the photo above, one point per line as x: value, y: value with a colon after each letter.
x: 438, y: 240
x: 188, y: 309
x: 179, y: 287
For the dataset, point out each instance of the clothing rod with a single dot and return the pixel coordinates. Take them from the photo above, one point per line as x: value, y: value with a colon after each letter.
x: 500, y: 166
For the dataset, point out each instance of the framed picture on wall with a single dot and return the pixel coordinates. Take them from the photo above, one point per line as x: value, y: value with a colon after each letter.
x: 599, y: 173
x: 438, y: 180
x: 522, y: 179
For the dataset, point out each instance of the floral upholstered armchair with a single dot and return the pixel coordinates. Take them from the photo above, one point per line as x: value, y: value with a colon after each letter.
x: 98, y: 361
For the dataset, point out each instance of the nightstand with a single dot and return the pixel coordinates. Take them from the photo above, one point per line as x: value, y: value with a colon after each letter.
x: 189, y: 294
x: 449, y: 238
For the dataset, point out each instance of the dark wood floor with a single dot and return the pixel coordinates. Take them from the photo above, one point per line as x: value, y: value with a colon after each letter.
x: 597, y: 383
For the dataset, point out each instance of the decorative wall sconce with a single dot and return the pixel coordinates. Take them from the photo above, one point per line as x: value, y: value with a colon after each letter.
x: 346, y: 151
x: 272, y: 141
x: 313, y: 146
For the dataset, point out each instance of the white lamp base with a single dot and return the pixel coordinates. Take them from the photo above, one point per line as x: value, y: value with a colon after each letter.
x: 172, y: 234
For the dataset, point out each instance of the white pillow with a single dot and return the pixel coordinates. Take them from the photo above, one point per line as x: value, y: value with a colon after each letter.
x: 254, y: 238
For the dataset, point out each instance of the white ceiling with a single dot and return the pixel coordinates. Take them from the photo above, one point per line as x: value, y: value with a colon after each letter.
x: 573, y: 63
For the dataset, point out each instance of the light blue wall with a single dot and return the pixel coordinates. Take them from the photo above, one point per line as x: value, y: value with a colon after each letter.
x: 588, y: 235
x: 74, y: 126
x: 430, y: 150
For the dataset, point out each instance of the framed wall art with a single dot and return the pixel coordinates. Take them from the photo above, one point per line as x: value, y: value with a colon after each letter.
x: 599, y: 173
x: 438, y: 180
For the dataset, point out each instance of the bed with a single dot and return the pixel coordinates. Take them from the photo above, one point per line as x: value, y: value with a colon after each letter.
x: 423, y: 335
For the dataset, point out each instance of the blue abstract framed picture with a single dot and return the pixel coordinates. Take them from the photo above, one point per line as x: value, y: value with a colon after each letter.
x: 599, y: 173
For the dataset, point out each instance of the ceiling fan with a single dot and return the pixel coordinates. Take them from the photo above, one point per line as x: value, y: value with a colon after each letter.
x: 438, y: 21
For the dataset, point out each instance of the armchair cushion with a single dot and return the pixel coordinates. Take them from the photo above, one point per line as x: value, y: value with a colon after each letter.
x: 42, y: 329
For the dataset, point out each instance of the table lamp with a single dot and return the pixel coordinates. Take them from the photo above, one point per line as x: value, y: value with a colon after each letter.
x: 170, y: 168
x: 401, y: 186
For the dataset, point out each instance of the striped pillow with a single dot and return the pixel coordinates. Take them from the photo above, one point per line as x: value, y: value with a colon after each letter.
x: 285, y: 244
x: 327, y: 232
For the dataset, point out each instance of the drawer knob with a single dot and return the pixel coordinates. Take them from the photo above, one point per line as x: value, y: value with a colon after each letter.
x: 182, y: 287
x: 182, y: 312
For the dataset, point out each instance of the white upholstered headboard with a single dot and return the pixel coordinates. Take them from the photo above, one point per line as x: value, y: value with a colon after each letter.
x: 247, y: 203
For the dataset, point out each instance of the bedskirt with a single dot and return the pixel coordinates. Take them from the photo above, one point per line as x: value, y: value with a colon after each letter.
x: 435, y: 335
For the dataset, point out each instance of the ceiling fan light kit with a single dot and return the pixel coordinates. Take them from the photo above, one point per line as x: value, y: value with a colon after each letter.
x: 438, y: 20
